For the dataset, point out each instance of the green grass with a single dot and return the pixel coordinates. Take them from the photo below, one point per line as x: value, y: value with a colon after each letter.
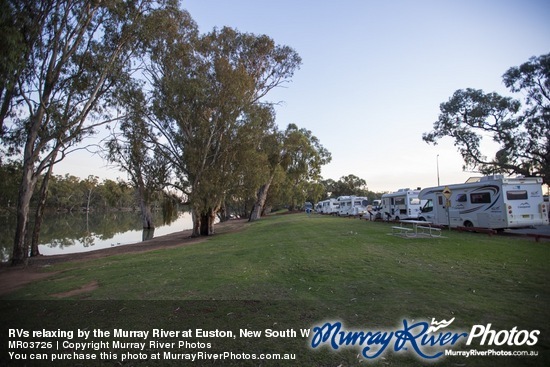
x: 315, y: 267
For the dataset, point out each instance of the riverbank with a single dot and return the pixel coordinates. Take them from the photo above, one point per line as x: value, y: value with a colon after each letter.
x: 14, y: 277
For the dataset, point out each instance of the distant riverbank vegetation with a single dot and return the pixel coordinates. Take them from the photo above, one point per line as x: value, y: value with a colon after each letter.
x: 68, y: 193
x: 72, y: 194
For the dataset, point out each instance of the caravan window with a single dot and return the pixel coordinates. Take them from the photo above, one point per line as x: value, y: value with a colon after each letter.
x: 480, y: 198
x: 428, y: 207
x: 400, y: 201
x: 414, y: 201
x: 461, y: 198
x: 516, y: 195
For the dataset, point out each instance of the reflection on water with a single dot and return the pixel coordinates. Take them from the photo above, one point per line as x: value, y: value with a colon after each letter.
x: 79, y: 232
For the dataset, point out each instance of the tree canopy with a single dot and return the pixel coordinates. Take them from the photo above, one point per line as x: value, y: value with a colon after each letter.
x: 71, y: 57
x: 208, y: 106
x: 186, y: 110
x: 521, y: 131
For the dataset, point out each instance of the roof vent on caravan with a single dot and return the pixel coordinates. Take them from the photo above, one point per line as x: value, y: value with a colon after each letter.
x: 492, y: 178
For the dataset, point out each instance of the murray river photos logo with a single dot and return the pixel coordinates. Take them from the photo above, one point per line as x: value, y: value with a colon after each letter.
x: 426, y: 340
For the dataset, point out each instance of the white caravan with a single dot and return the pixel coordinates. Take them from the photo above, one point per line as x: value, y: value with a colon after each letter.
x: 319, y: 207
x: 487, y: 202
x: 329, y: 206
x: 400, y: 205
x: 352, y: 205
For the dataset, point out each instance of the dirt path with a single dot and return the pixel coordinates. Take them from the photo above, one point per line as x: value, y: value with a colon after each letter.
x: 13, y: 278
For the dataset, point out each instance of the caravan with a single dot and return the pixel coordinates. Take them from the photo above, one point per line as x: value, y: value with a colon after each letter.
x: 400, y: 205
x: 487, y: 202
x: 329, y: 206
x: 352, y: 205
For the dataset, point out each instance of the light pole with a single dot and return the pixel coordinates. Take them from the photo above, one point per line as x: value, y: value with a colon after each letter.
x: 437, y: 162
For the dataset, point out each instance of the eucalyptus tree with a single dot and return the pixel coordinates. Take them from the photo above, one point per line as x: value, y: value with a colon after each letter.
x: 350, y: 185
x: 249, y: 164
x: 79, y: 52
x: 532, y: 79
x: 208, y: 91
x: 295, y: 156
x: 523, y: 134
x: 303, y: 163
x: 273, y: 154
x: 133, y: 148
x: 19, y: 31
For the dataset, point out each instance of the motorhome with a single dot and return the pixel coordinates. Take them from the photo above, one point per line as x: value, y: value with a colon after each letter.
x: 319, y: 207
x: 352, y: 205
x: 328, y: 206
x: 401, y: 205
x: 492, y: 202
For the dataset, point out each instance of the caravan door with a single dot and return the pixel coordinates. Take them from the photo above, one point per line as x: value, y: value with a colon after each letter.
x: 440, y: 210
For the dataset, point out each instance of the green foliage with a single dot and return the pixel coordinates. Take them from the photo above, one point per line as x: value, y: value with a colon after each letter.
x: 296, y: 160
x: 70, y: 193
x: 207, y: 106
x: 522, y: 134
x: 10, y: 173
x: 346, y: 185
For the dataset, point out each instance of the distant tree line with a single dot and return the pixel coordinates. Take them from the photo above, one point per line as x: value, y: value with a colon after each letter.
x: 346, y: 186
x: 72, y: 194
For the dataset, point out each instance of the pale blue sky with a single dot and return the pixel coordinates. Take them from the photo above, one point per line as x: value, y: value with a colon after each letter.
x: 374, y: 73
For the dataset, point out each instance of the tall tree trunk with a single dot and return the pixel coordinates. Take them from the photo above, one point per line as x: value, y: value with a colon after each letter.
x: 28, y: 182
x: 146, y: 215
x: 203, y: 223
x: 39, y: 215
x: 26, y: 187
x: 88, y: 201
x: 261, y: 197
x: 224, y: 215
x: 211, y: 220
x: 207, y: 222
x: 196, y: 223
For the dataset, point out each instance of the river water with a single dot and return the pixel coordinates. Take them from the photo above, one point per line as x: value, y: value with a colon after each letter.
x: 80, y: 232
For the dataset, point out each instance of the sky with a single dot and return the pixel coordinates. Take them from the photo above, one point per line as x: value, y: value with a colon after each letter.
x: 374, y: 73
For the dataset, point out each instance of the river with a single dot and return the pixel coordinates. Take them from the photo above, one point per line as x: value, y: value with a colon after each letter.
x: 65, y: 233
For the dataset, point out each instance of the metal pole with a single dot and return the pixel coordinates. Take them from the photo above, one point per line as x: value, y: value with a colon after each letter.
x: 437, y: 161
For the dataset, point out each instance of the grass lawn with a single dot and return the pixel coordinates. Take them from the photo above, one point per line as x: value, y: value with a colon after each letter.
x: 297, y: 271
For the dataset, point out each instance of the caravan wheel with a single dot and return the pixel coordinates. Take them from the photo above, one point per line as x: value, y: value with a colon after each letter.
x: 468, y: 224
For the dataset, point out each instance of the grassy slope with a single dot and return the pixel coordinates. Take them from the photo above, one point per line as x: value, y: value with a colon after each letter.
x: 352, y: 269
